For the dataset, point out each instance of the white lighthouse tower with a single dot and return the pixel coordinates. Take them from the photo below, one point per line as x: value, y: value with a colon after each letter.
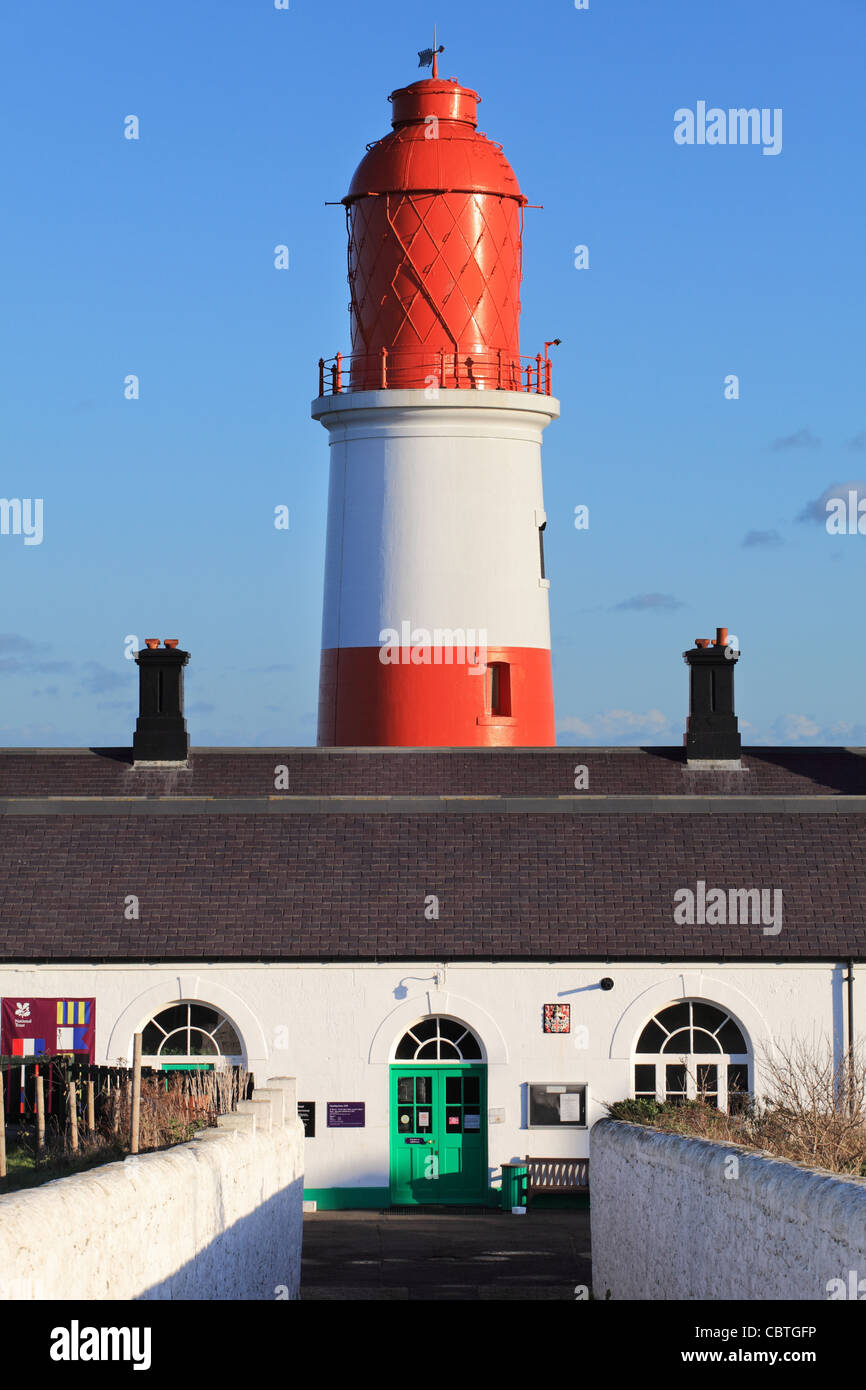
x: 436, y: 629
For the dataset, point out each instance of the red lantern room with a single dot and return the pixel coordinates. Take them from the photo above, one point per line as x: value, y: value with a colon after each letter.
x: 435, y: 219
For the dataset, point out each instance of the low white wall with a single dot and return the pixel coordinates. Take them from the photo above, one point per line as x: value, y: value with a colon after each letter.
x: 217, y: 1218
x: 676, y: 1218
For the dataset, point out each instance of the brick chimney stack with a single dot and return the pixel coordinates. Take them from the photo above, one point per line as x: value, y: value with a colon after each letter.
x: 161, y: 739
x: 712, y: 740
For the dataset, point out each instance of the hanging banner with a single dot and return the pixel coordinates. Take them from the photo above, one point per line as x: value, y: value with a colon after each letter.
x: 48, y: 1027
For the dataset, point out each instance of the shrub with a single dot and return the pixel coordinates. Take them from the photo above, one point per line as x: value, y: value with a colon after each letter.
x: 812, y: 1109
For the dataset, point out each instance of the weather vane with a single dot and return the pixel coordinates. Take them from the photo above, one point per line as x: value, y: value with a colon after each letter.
x: 426, y: 56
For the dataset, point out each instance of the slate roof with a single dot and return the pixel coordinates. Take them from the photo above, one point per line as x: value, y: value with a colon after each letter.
x: 436, y: 772
x: 226, y: 867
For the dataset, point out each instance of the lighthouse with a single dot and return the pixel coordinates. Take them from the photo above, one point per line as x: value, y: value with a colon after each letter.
x: 436, y: 629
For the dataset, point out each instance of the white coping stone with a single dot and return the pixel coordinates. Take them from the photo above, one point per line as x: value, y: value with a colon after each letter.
x: 169, y: 762
x: 289, y: 1087
x: 245, y: 1123
x: 715, y: 765
x: 276, y: 1096
x: 261, y: 1108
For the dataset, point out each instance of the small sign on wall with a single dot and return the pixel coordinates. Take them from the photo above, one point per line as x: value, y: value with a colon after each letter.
x: 346, y: 1114
x: 571, y: 1108
x: 307, y: 1116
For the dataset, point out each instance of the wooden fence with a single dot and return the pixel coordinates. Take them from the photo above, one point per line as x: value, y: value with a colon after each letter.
x: 53, y: 1098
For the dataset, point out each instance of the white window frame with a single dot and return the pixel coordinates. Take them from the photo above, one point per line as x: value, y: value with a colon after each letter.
x: 692, y: 1060
x: 217, y: 1060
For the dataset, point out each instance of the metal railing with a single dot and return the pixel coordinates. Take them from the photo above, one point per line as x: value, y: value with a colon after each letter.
x: 414, y: 368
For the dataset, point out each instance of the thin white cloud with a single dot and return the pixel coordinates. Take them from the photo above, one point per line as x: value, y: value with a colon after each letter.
x: 648, y: 602
x: 621, y: 726
x: 795, y: 730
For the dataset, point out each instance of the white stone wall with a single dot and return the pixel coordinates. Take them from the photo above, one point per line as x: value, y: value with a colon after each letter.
x: 335, y: 1027
x: 680, y: 1219
x: 218, y: 1218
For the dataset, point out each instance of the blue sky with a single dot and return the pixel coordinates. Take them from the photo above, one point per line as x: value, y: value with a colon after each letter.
x: 155, y: 257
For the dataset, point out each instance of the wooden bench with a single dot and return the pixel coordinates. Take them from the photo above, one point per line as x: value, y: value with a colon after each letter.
x: 545, y: 1176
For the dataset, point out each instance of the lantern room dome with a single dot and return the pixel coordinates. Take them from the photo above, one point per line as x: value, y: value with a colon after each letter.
x: 434, y: 96
x: 435, y: 146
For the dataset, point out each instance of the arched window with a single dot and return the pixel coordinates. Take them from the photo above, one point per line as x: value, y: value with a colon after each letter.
x: 190, y: 1033
x: 438, y: 1040
x: 693, y: 1050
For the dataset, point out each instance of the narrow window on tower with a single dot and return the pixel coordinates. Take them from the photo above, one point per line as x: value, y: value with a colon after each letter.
x: 541, y: 530
x: 499, y: 688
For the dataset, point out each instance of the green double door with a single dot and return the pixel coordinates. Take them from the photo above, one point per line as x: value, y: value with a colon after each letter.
x: 438, y: 1134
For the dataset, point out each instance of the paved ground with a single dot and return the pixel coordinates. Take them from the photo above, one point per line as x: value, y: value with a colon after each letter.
x: 364, y: 1255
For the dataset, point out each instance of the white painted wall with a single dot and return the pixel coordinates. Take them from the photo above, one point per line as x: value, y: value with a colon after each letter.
x: 218, y: 1218
x: 682, y: 1219
x: 335, y: 1028
x: 433, y: 515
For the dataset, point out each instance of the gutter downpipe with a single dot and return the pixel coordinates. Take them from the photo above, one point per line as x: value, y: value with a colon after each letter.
x: 851, y: 1099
